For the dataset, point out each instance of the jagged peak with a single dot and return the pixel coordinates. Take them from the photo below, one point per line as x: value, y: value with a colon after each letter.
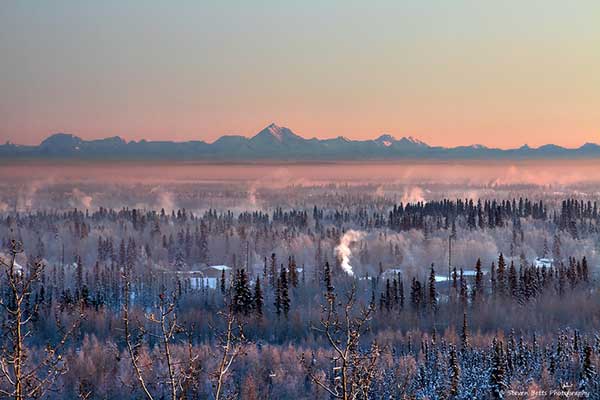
x: 276, y: 132
x: 387, y: 140
x: 386, y: 136
x: 412, y: 140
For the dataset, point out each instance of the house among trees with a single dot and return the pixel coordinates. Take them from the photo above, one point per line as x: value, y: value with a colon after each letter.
x: 205, y: 277
x: 544, y: 262
x: 212, y: 274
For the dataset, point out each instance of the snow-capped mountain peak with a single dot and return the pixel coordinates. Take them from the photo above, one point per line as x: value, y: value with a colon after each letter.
x: 275, y: 133
x: 412, y: 140
x: 277, y: 142
x: 386, y: 140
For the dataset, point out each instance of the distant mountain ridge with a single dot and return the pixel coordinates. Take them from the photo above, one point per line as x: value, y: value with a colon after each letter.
x: 279, y: 143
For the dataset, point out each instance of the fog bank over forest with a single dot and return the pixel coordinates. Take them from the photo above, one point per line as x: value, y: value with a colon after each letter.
x: 334, y: 188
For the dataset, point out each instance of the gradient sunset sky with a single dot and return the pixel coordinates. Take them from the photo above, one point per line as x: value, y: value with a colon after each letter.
x: 500, y: 73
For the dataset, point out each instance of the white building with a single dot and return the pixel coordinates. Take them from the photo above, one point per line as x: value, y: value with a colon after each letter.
x: 205, y: 277
x: 544, y: 262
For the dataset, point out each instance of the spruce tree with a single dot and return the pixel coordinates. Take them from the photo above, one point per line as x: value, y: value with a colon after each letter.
x: 284, y: 292
x: 512, y: 282
x: 223, y: 282
x: 545, y: 250
x: 493, y: 280
x: 415, y: 293
x: 463, y: 290
x: 122, y: 254
x: 432, y: 290
x: 556, y: 253
x: 258, y: 298
x: 203, y: 255
x: 464, y: 335
x: 501, y: 276
x: 387, y: 295
x: 277, y: 302
x: 454, y: 282
x: 273, y: 271
x: 246, y: 293
x: 584, y: 270
x: 477, y: 291
x: 401, y: 292
x: 79, y: 272
x: 588, y: 371
x: 327, y: 278
x: 454, y: 373
x: 498, y: 372
x: 293, y: 271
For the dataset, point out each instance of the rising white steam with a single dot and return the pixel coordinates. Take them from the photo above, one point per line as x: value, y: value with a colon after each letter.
x: 80, y: 199
x: 164, y: 199
x: 413, y: 194
x: 343, y: 250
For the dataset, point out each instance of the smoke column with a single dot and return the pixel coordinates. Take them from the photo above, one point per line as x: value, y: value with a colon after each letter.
x: 343, y: 249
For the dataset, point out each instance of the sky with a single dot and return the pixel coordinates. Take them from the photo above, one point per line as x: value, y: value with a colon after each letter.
x: 450, y: 73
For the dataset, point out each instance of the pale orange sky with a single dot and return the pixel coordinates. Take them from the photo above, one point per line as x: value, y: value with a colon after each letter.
x: 449, y: 73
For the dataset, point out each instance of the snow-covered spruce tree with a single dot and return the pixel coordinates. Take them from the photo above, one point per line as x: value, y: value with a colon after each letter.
x: 454, y: 373
x: 497, y: 377
x: 432, y: 290
x: 588, y: 371
x: 464, y: 335
x: 242, y: 295
x: 284, y: 291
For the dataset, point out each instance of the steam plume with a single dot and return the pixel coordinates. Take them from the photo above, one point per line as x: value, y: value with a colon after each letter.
x: 343, y: 249
x: 413, y: 195
x: 81, y: 199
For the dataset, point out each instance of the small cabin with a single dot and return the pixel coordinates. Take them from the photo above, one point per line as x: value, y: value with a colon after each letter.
x: 215, y: 271
x: 204, y: 277
x: 544, y: 262
x: 210, y: 276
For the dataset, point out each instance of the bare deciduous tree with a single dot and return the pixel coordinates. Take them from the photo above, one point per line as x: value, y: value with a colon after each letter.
x: 231, y: 343
x: 134, y: 344
x: 180, y: 375
x: 354, y: 369
x: 180, y: 381
x: 22, y: 377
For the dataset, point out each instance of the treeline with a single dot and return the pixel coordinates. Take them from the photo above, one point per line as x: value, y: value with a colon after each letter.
x: 121, y: 284
x: 502, y: 283
x: 320, y: 335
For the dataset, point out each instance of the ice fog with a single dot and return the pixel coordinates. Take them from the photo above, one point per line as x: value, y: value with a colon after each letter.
x: 351, y: 230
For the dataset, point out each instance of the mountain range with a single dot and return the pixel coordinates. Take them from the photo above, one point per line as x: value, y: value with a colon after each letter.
x: 278, y: 143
